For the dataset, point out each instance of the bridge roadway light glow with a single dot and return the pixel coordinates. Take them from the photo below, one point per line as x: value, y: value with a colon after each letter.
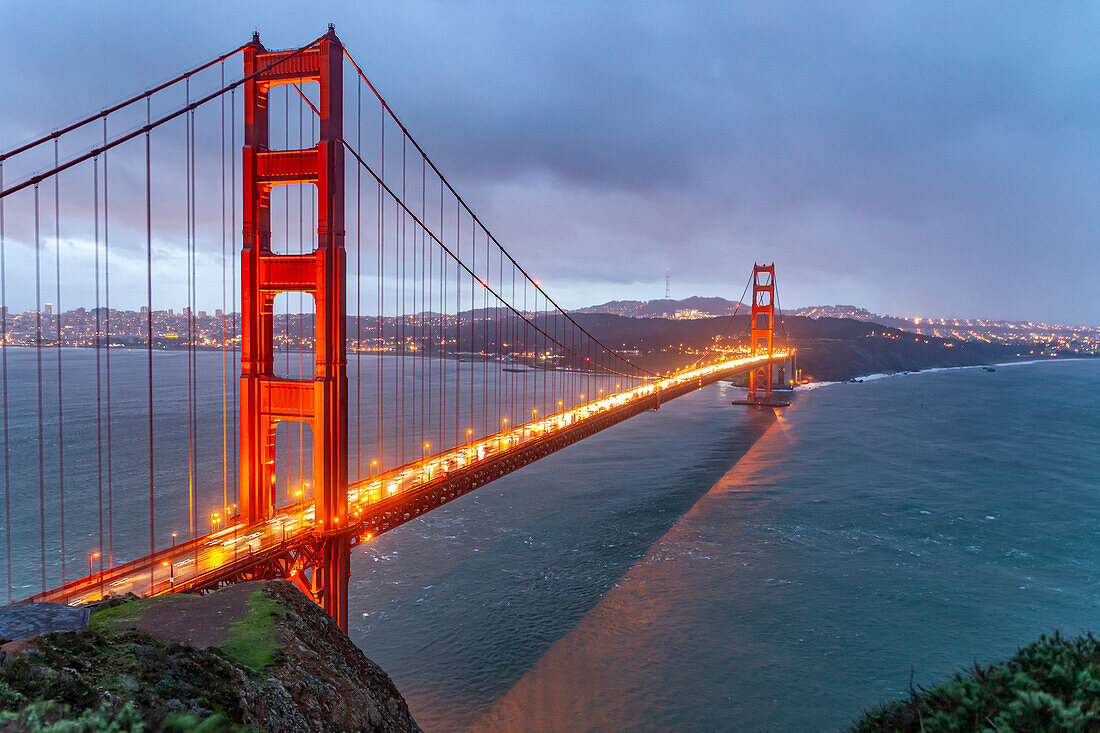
x: 206, y: 554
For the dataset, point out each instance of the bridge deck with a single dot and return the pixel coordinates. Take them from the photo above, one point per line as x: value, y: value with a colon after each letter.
x: 382, y: 502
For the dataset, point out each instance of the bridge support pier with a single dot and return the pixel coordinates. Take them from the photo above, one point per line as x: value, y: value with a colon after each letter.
x: 330, y: 578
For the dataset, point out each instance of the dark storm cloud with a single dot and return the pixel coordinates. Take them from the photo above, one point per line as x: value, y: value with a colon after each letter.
x: 914, y: 158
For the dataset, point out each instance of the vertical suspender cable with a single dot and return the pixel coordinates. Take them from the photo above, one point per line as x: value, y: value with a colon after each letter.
x: 188, y: 121
x: 418, y: 394
x: 149, y: 326
x: 420, y: 315
x: 38, y: 359
x: 426, y: 307
x: 358, y: 286
x: 4, y: 385
x: 399, y: 319
x: 107, y: 354
x: 490, y: 428
x: 233, y: 271
x: 225, y: 370
x: 473, y: 308
x: 57, y: 305
x: 403, y: 275
x: 438, y: 335
x: 193, y: 322
x: 458, y: 329
x: 379, y: 324
x: 98, y: 374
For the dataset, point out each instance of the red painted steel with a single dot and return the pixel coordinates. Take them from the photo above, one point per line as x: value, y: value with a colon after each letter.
x: 266, y: 399
x: 762, y: 329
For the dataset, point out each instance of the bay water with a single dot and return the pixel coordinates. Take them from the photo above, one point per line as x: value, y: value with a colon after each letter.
x: 702, y: 567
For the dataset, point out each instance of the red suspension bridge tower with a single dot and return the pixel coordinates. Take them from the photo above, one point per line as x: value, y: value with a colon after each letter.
x: 320, y: 402
x: 762, y: 338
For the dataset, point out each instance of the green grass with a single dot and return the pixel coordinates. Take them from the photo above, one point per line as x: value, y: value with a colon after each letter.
x: 1050, y: 685
x: 115, y: 617
x: 253, y: 639
x: 109, y: 618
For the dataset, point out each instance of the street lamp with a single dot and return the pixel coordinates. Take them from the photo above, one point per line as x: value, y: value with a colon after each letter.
x: 91, y: 567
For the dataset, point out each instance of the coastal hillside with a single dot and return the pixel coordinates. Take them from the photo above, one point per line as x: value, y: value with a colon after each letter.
x: 829, y: 349
x: 1052, y: 684
x: 256, y: 655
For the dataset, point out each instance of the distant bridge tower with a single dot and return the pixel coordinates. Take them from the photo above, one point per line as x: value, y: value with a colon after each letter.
x: 762, y: 329
x: 668, y: 285
x: 320, y: 402
x: 762, y: 338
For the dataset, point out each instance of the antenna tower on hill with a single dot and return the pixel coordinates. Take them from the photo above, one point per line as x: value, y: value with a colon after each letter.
x: 668, y: 285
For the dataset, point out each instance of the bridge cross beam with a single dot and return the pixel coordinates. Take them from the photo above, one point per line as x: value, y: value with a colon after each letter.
x: 266, y: 399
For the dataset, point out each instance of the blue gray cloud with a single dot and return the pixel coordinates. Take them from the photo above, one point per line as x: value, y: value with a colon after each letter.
x: 915, y: 158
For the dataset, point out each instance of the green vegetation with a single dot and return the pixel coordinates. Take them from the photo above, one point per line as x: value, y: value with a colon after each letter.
x: 253, y: 639
x: 1050, y: 685
x: 117, y: 681
x: 257, y: 655
x: 49, y: 716
x: 123, y: 613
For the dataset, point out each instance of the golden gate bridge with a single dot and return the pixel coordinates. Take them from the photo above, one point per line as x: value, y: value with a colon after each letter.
x: 462, y: 368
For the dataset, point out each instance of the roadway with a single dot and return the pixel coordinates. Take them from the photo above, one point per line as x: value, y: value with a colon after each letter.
x: 382, y: 502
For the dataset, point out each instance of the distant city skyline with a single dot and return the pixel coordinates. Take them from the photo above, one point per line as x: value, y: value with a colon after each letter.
x: 935, y: 159
x: 218, y: 329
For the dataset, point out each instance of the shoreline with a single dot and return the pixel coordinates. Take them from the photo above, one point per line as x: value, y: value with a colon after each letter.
x: 809, y: 386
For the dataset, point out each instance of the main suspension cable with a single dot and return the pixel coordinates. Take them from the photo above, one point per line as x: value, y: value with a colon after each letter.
x: 121, y: 105
x: 150, y: 125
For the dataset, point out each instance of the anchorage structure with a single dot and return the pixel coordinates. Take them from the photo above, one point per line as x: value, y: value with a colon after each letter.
x: 320, y: 402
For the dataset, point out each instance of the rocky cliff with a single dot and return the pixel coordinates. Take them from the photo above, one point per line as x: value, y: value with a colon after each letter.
x: 256, y: 655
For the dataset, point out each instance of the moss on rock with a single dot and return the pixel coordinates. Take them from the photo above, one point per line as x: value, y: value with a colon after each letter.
x: 276, y: 663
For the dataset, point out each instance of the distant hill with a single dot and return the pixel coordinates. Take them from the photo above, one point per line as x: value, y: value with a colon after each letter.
x: 685, y: 309
x: 1035, y: 337
x: 1078, y: 339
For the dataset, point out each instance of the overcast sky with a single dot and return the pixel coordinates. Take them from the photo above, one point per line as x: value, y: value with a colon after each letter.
x: 913, y: 158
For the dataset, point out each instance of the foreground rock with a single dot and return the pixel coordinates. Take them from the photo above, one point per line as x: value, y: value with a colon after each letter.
x: 256, y: 655
x: 1049, y: 685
